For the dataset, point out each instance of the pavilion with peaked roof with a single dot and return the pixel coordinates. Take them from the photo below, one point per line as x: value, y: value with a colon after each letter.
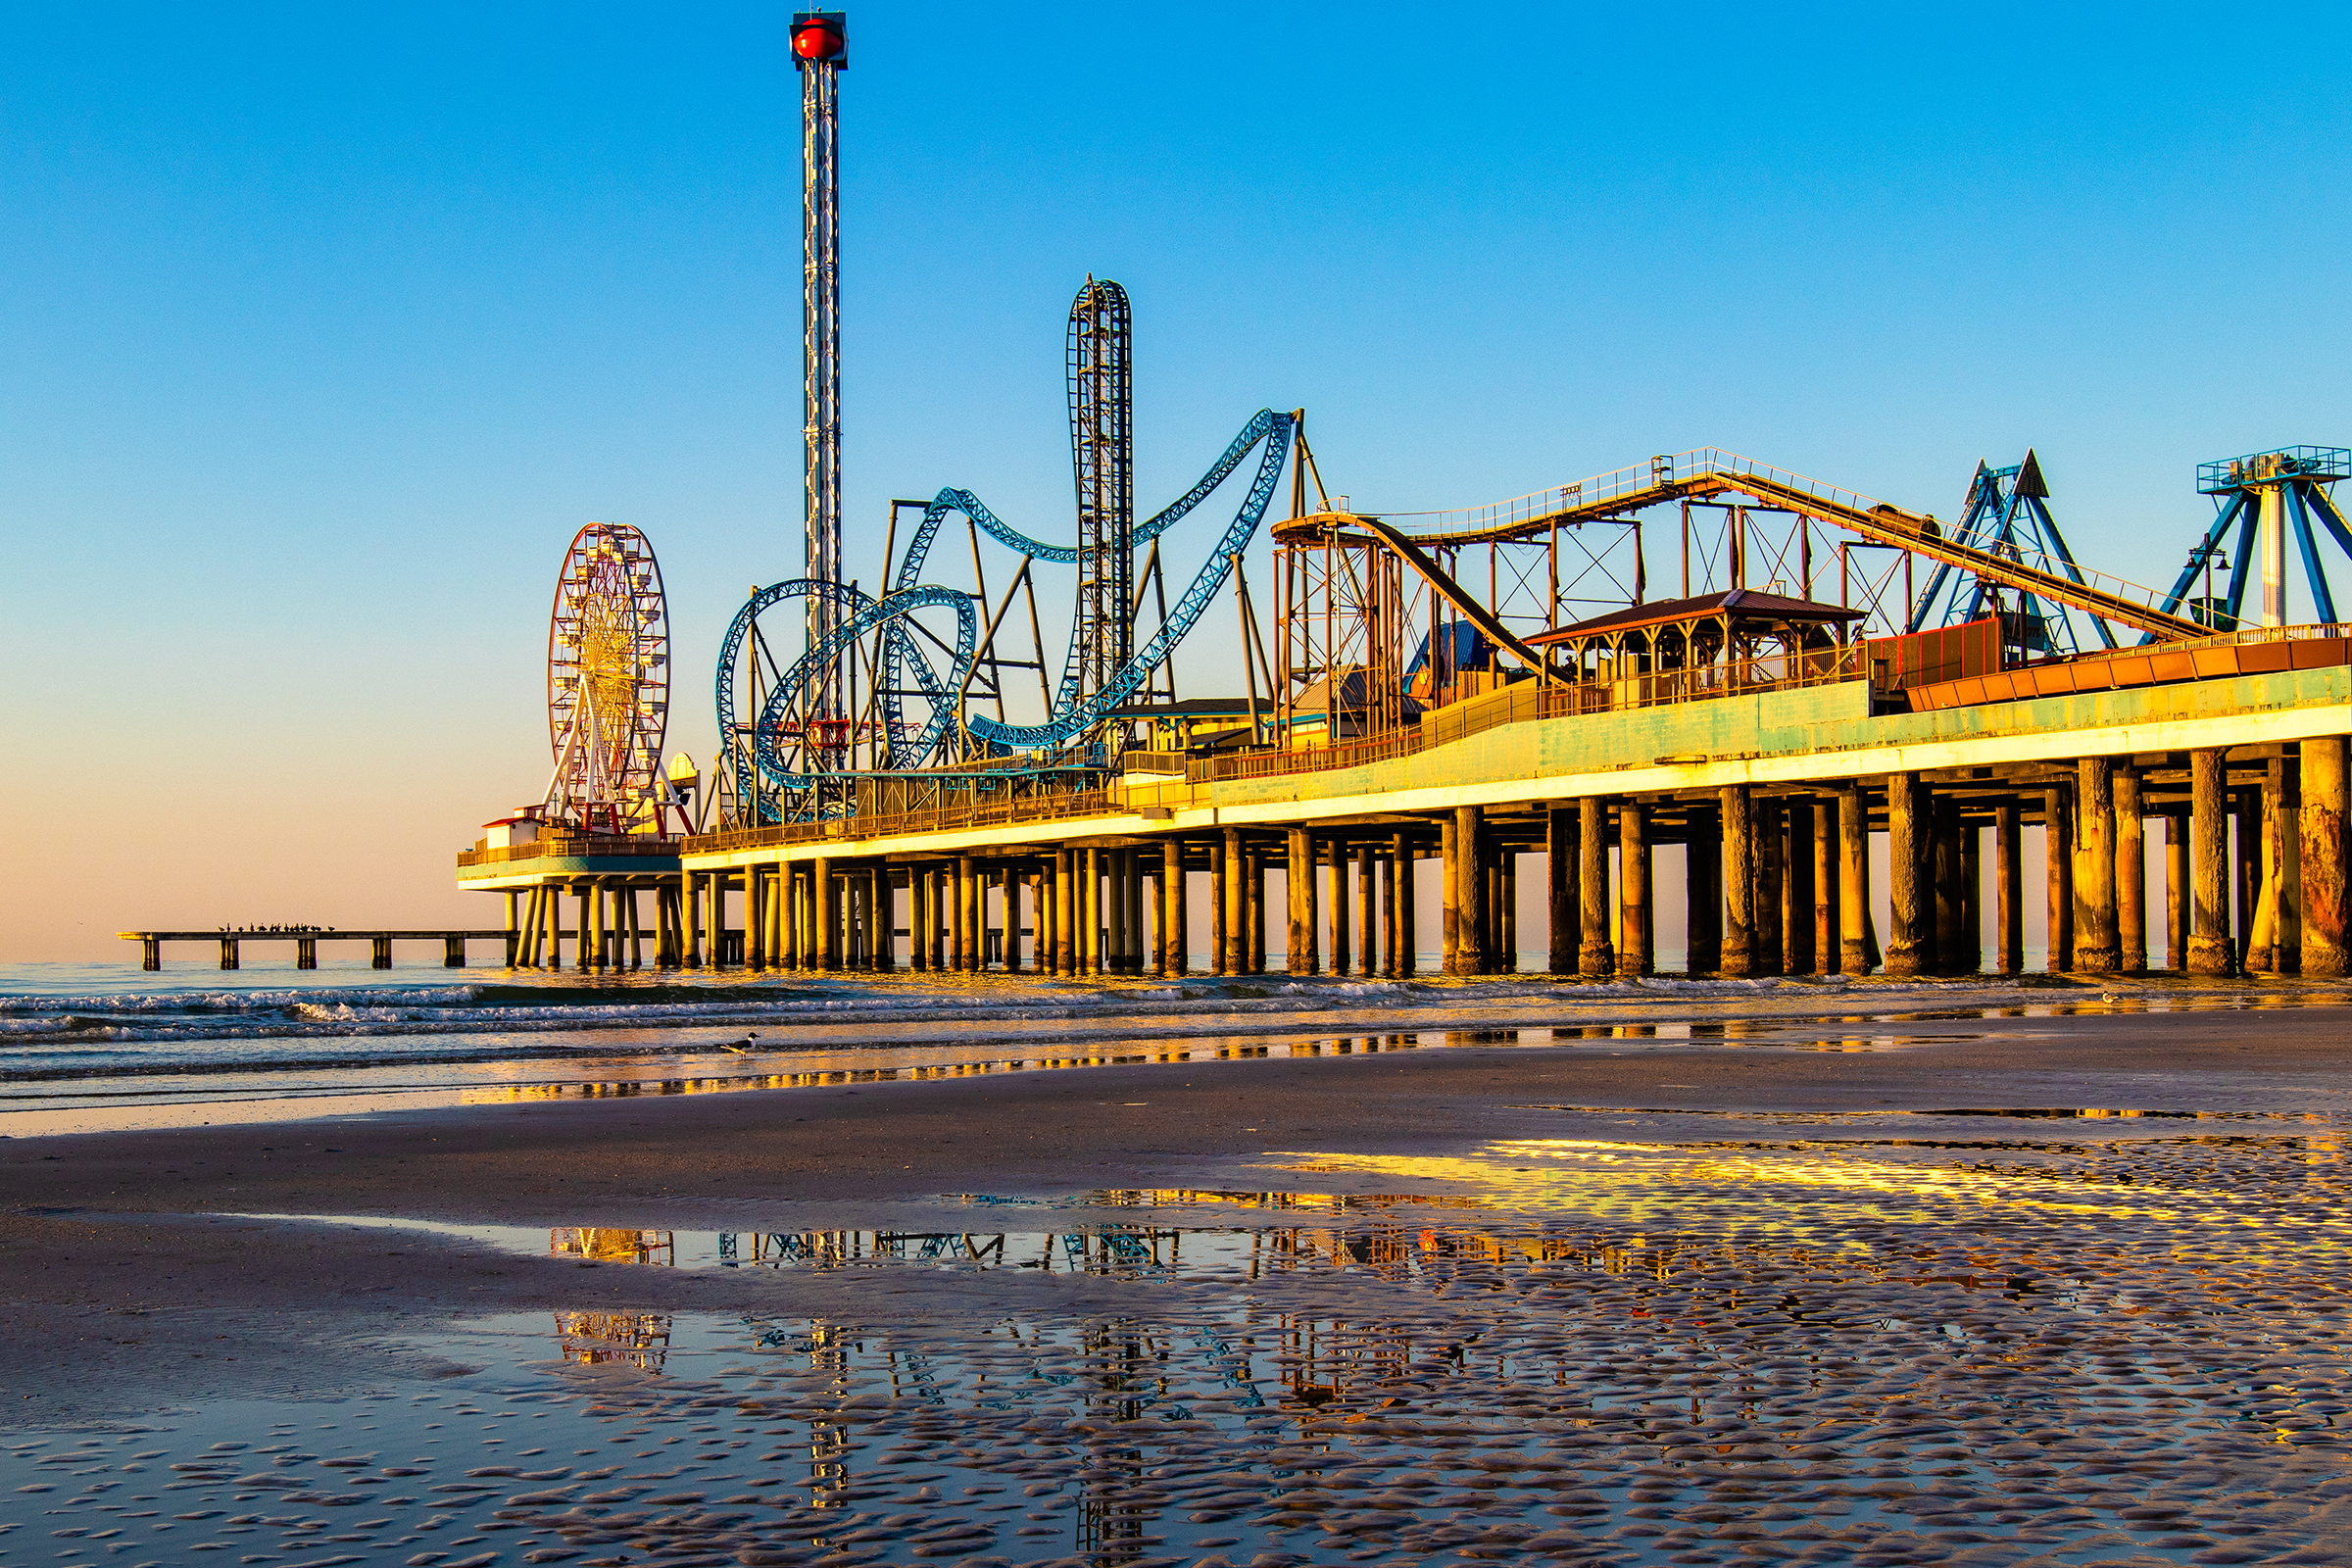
x: 1745, y: 634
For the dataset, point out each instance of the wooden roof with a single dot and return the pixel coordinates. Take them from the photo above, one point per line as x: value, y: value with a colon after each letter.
x: 1741, y: 604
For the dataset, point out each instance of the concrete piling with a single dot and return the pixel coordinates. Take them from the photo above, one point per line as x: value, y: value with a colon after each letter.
x: 1595, y: 957
x: 2320, y: 827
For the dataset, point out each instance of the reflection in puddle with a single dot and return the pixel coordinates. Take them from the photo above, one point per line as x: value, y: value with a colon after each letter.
x: 2101, y: 1346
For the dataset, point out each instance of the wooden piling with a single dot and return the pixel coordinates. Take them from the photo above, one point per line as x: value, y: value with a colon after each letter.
x: 1596, y: 959
x: 2131, y: 870
x: 2058, y: 847
x: 1633, y: 889
x: 2097, y: 944
x: 1738, y: 805
x: 1470, y: 936
x: 1703, y: 889
x: 2247, y: 883
x: 1560, y: 891
x: 1906, y: 930
x: 1299, y: 904
x: 1854, y: 954
x: 2319, y: 826
x: 2008, y: 890
x: 1449, y: 912
x: 1799, y: 893
x: 2210, y: 949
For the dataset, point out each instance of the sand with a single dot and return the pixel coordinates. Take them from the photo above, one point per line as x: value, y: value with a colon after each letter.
x: 123, y: 1296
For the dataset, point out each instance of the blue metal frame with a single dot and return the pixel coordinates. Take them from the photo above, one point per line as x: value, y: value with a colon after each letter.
x: 2006, y: 516
x: 2303, y: 474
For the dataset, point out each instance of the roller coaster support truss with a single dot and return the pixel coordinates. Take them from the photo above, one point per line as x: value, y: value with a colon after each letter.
x: 1709, y: 471
x: 2262, y: 497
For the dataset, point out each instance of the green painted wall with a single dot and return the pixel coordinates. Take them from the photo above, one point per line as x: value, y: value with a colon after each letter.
x: 1820, y: 718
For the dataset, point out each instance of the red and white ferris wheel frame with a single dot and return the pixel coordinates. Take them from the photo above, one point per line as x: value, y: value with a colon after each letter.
x: 607, y: 678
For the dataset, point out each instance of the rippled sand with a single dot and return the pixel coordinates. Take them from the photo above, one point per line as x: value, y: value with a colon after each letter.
x: 1658, y: 1336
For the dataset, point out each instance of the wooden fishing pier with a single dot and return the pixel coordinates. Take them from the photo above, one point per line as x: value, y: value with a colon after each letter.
x: 305, y: 944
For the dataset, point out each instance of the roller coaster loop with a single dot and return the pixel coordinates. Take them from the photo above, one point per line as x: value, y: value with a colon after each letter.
x: 866, y: 613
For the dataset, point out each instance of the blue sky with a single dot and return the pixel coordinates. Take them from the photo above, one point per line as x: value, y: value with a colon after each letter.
x: 325, y: 327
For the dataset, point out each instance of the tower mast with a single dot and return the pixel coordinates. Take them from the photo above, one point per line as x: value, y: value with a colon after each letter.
x: 820, y: 52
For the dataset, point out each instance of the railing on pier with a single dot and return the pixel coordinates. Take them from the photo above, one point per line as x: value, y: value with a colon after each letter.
x: 598, y: 846
x: 962, y: 810
x: 1532, y: 700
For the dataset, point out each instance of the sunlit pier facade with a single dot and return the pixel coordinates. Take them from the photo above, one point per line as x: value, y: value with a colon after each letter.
x: 1838, y: 691
x: 1774, y: 795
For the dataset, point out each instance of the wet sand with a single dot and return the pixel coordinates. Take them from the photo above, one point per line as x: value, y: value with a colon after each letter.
x: 125, y: 1297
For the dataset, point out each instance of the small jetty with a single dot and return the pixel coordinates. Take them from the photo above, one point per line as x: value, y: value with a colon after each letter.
x: 305, y: 944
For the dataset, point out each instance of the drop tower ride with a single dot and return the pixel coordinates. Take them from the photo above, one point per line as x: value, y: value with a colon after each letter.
x: 819, y: 53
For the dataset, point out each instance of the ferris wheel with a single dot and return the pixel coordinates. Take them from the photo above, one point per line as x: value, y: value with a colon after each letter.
x: 608, y: 681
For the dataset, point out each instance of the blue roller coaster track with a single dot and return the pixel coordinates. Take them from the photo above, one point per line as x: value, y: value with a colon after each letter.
x: 902, y: 656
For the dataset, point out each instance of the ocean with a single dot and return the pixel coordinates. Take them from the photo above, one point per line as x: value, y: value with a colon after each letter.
x: 84, y: 1047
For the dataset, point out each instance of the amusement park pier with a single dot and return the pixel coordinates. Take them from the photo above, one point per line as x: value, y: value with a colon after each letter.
x: 1697, y: 651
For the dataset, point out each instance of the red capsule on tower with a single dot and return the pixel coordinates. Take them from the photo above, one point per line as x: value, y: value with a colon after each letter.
x: 819, y: 37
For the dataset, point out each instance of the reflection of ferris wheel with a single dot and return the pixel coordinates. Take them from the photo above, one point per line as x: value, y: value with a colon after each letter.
x: 607, y: 679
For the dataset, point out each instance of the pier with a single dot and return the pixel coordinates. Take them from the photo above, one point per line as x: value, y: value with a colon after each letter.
x: 1841, y: 690
x: 305, y: 944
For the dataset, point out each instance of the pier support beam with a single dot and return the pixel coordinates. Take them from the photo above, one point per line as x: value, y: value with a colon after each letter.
x: 755, y: 916
x: 1224, y: 853
x: 2179, y: 899
x: 2058, y: 844
x: 1595, y: 960
x: 1367, y: 907
x: 2098, y: 948
x: 1341, y: 948
x: 1905, y: 926
x: 2131, y: 871
x: 1633, y: 889
x: 1470, y: 860
x: 824, y: 927
x: 1738, y: 872
x: 2247, y: 884
x: 2321, y: 826
x: 1449, y: 884
x: 1402, y: 957
x: 2210, y: 950
x: 1298, y: 883
x: 1854, y: 955
x: 1766, y: 820
x: 1560, y: 888
x: 2008, y: 889
x: 1703, y: 889
x: 1237, y: 903
x: 1254, y: 895
x: 1944, y: 890
x: 1802, y: 896
x: 1826, y: 952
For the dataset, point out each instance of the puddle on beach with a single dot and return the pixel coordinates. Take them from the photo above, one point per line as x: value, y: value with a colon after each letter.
x: 2082, y: 1344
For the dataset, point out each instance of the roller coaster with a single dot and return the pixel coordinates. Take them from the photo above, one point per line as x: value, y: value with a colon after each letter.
x: 916, y: 651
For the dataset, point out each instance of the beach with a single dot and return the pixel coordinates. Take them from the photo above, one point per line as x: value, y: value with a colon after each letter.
x: 1357, y: 1216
